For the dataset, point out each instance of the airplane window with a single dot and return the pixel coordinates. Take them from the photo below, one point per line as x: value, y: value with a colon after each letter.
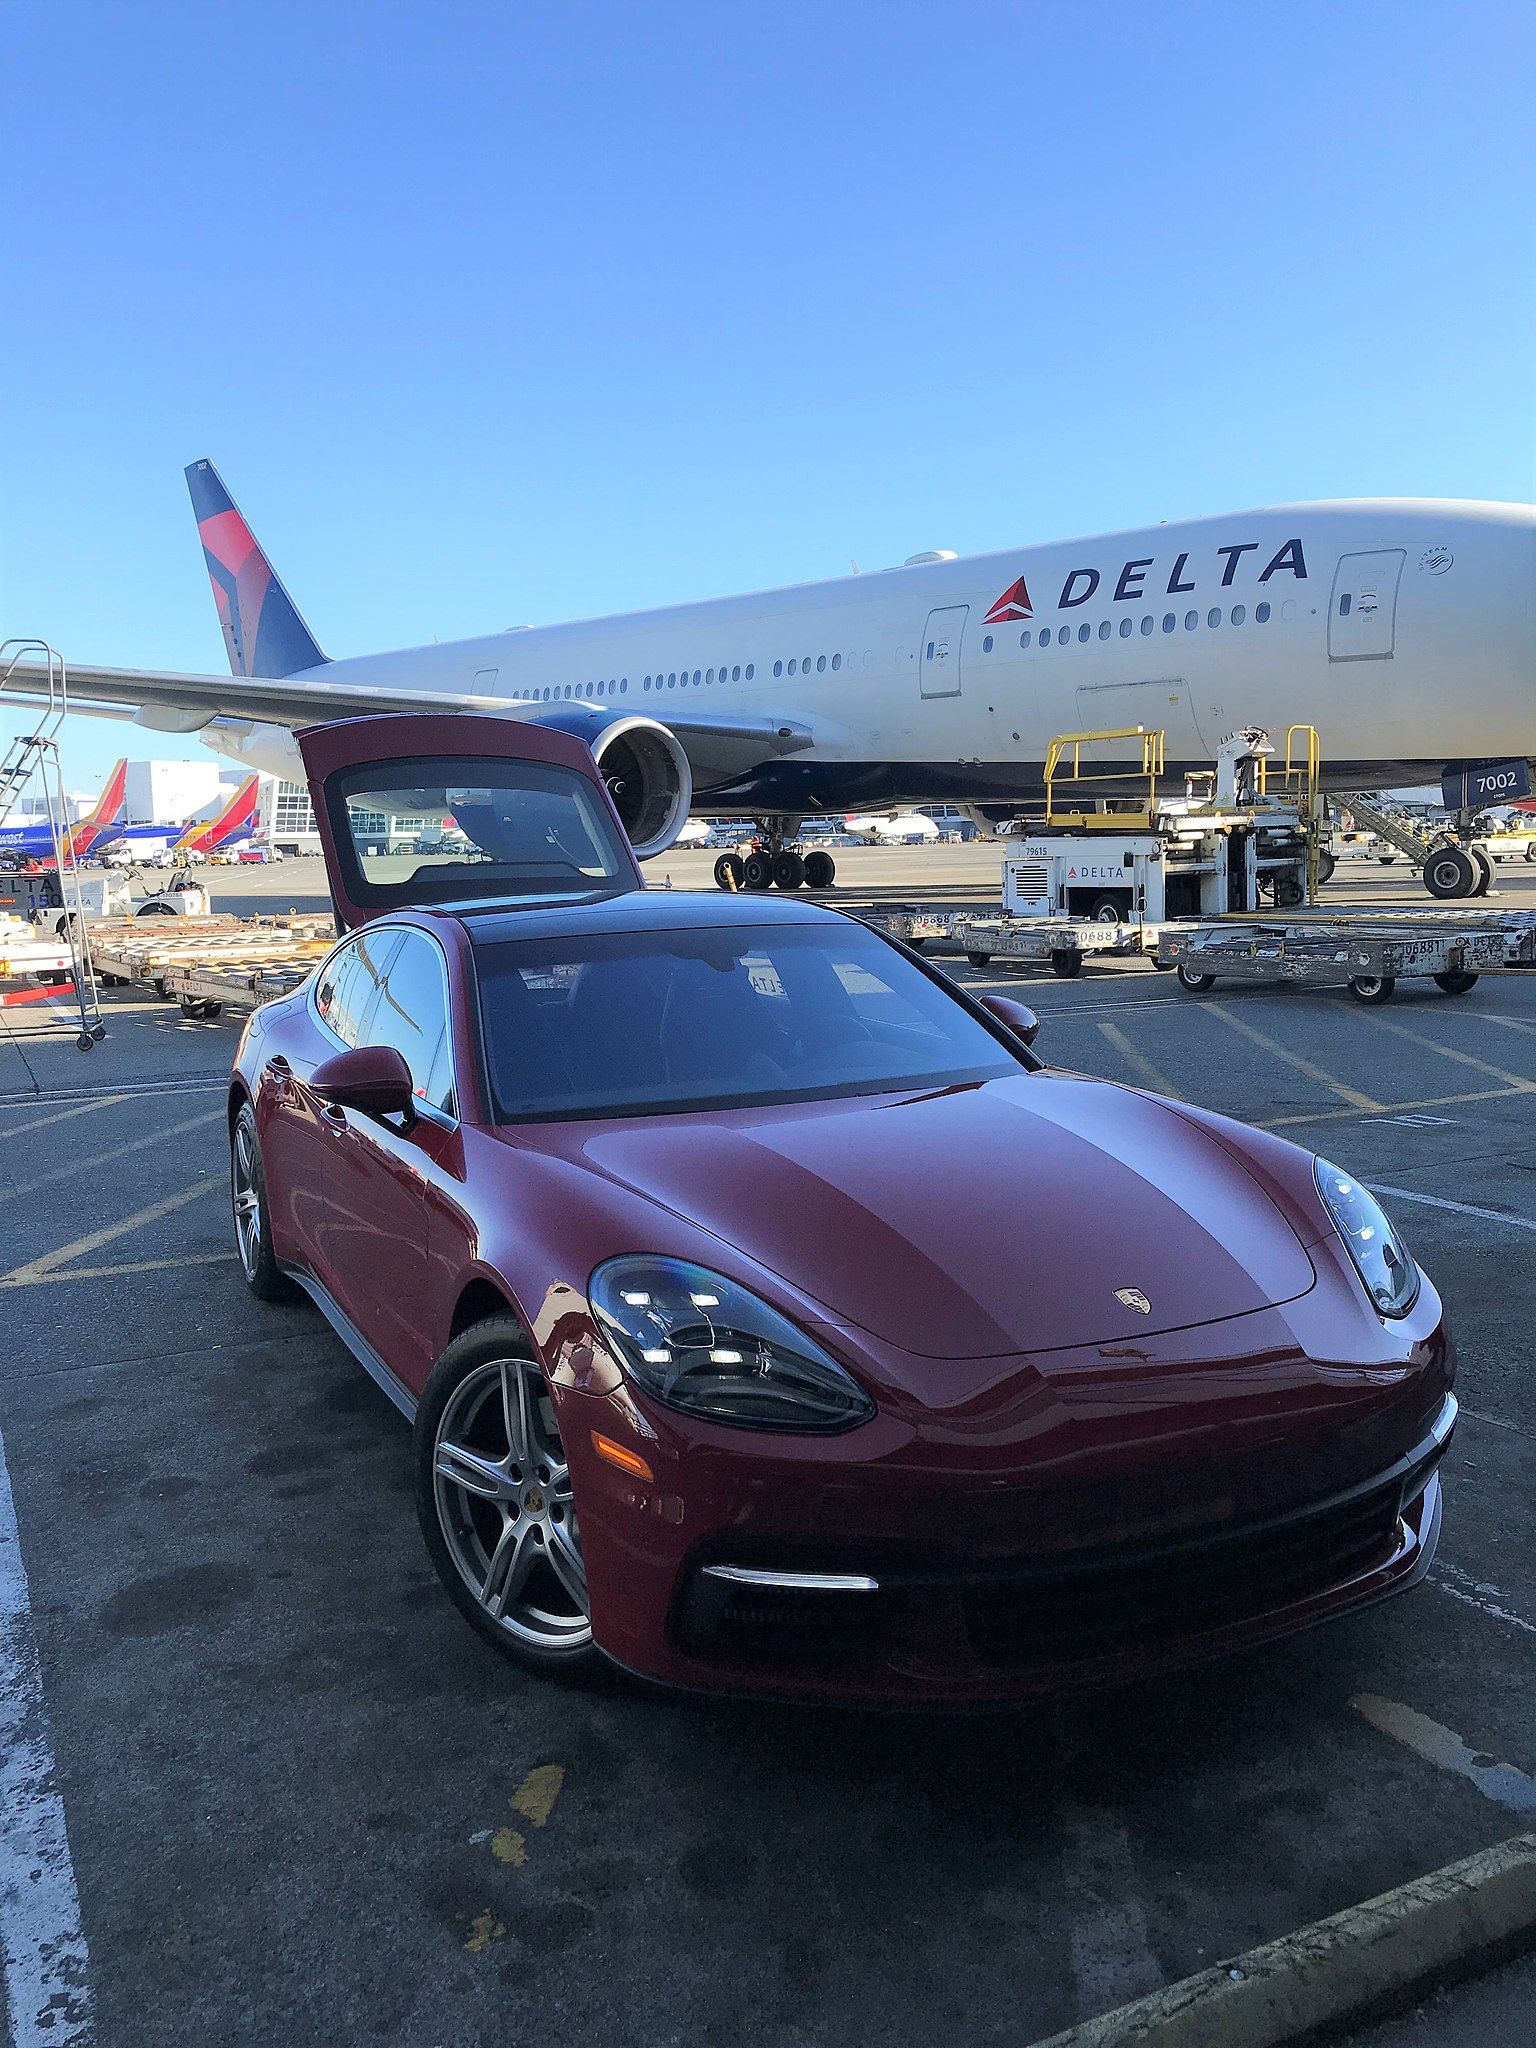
x: 778, y: 668
x: 792, y: 667
x: 805, y: 665
x: 751, y: 671
x: 837, y: 659
x: 1125, y: 628
x: 986, y: 648
x: 672, y: 682
x: 1345, y: 601
x: 1191, y: 620
x: 1169, y: 622
x: 1024, y: 639
x: 930, y: 650
x: 1147, y: 623
x: 1105, y: 629
x: 709, y: 675
x: 698, y: 676
x: 1083, y: 632
x: 821, y: 664
x: 1239, y: 613
x: 1261, y: 613
x: 1213, y: 616
x: 623, y: 684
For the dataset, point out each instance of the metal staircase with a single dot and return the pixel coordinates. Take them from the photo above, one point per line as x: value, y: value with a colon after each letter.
x: 1390, y: 826
x: 34, y: 756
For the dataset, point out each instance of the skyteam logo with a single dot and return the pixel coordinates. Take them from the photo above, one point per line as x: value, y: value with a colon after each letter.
x: 1013, y: 604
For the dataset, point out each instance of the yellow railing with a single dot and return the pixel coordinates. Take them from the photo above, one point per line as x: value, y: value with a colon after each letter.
x: 1113, y: 810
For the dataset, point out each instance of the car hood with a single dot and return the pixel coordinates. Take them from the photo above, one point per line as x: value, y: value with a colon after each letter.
x: 976, y: 1220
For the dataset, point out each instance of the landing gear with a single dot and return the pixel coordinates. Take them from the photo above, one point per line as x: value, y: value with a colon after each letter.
x: 1450, y: 872
x: 1484, y: 868
x: 775, y: 862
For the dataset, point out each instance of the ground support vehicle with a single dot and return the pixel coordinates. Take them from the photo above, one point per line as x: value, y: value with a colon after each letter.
x: 26, y: 952
x: 205, y: 963
x: 1368, y: 956
x: 1063, y: 943
x: 40, y: 896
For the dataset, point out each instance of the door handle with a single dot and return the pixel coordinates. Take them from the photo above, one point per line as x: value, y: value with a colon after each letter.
x: 334, y: 1117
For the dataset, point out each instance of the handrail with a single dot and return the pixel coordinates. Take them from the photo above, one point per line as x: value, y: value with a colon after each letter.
x: 1153, y: 748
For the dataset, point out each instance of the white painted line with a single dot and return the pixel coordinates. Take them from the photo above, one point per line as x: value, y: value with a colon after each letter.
x: 32, y: 1098
x: 1457, y: 1208
x: 1478, y: 1593
x: 71, y: 1167
x: 1443, y: 1746
x: 42, y: 1945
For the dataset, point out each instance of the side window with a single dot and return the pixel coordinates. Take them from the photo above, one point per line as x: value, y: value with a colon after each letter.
x: 412, y: 1016
x: 350, y: 983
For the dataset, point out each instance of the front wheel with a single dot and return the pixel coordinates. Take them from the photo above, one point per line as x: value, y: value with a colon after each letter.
x: 979, y: 959
x: 1455, y: 984
x: 1067, y: 962
x: 1192, y: 981
x: 1448, y: 872
x: 495, y: 1502
x: 1372, y: 988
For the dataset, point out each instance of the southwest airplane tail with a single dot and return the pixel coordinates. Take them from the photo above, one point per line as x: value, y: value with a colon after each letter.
x: 109, y: 809
x: 263, y: 632
x: 235, y: 820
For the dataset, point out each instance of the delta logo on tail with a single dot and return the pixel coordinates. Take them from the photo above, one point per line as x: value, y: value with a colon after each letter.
x: 263, y: 632
x: 237, y: 820
x: 1013, y: 604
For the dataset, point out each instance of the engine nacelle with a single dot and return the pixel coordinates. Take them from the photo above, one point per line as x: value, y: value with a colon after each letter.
x: 643, y: 764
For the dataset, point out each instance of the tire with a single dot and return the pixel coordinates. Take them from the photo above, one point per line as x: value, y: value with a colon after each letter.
x: 820, y: 870
x: 1106, y: 910
x: 1326, y: 867
x: 788, y: 870
x: 1372, y: 988
x: 252, y: 1212
x: 979, y: 959
x: 1192, y: 981
x: 154, y: 910
x: 1385, y: 859
x: 212, y: 1010
x: 1530, y: 849
x: 1288, y: 892
x: 1067, y: 962
x: 757, y: 871
x: 1448, y: 872
x: 1455, y: 984
x: 1484, y: 867
x: 518, y: 1511
x: 84, y: 1042
x: 730, y: 873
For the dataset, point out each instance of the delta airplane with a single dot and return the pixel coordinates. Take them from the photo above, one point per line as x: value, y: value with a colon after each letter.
x: 35, y: 842
x: 896, y: 828
x: 1403, y: 629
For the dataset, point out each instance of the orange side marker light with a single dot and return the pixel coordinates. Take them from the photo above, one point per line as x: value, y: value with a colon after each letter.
x: 626, y: 1460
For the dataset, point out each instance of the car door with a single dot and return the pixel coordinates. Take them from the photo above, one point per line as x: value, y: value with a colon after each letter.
x: 289, y: 1112
x: 420, y: 809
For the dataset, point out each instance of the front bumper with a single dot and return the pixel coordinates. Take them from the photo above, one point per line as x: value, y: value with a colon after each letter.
x: 832, y: 1602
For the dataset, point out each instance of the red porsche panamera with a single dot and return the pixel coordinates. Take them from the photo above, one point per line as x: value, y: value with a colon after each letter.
x: 771, y: 1317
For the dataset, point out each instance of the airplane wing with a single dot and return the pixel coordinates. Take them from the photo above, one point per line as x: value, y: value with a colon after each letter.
x: 718, y: 747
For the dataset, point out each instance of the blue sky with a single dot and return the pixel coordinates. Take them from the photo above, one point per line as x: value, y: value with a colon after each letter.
x: 492, y: 314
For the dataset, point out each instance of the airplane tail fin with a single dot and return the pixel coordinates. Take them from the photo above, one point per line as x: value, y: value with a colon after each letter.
x: 263, y: 631
x: 236, y: 817
x: 108, y: 809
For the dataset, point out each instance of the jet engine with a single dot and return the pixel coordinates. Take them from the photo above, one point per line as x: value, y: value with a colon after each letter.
x: 643, y: 764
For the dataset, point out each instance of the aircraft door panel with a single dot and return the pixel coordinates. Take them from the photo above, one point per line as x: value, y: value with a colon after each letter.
x: 1159, y: 701
x: 938, y: 666
x: 1362, y: 612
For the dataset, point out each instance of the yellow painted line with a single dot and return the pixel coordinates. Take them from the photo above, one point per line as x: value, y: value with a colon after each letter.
x: 1517, y: 1082
x: 1150, y: 1076
x: 45, y: 1267
x: 38, y: 1123
x: 1273, y: 1046
x: 1328, y: 1116
x: 74, y: 1166
x: 22, y: 1278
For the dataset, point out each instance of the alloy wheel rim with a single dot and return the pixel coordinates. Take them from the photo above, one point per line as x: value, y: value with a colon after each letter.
x: 505, y: 1505
x: 246, y: 1200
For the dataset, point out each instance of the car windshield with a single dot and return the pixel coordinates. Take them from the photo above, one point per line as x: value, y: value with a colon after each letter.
x: 634, y: 1023
x: 454, y: 830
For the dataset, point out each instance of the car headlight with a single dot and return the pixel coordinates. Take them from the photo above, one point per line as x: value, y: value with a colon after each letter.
x: 1385, y: 1264
x: 700, y: 1343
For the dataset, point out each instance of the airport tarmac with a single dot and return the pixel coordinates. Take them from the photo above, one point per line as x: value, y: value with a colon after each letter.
x: 304, y: 1802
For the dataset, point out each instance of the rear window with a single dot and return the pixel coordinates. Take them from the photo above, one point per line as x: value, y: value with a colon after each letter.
x: 451, y: 830
x: 618, y: 1024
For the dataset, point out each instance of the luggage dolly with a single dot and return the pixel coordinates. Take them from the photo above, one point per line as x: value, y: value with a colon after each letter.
x: 1367, y: 958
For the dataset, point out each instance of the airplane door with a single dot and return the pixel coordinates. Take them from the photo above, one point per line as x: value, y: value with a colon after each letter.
x: 938, y: 669
x: 1362, y: 613
x: 1159, y: 701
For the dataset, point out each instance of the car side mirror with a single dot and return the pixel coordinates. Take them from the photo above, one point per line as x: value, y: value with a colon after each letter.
x: 1018, y: 1017
x: 372, y: 1078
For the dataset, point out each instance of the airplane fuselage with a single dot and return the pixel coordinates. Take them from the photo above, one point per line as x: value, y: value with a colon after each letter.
x: 1404, y: 630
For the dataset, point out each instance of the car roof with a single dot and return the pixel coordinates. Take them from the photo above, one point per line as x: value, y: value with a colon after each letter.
x: 635, y: 910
